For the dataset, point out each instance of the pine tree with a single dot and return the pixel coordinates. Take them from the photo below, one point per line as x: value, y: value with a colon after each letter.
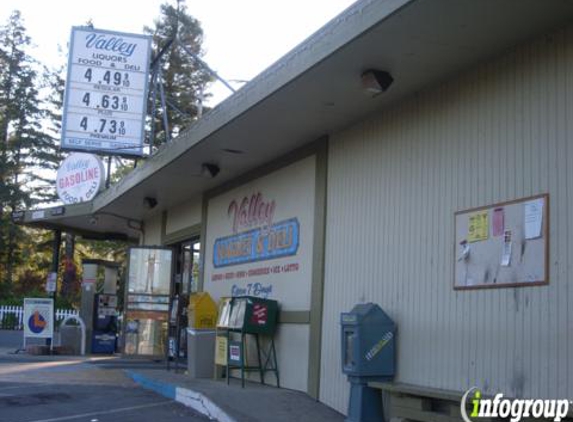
x: 26, y: 151
x: 183, y: 79
x: 50, y: 156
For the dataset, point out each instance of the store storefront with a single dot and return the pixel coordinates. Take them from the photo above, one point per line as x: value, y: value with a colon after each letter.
x: 328, y: 196
x: 260, y: 238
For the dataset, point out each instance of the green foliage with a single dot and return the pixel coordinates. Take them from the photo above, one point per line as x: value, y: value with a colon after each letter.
x: 27, y: 152
x: 108, y: 250
x: 31, y: 100
x: 122, y: 169
x: 183, y: 79
x: 9, y: 321
x: 18, y: 300
x: 30, y: 125
x: 11, y: 301
x: 27, y: 149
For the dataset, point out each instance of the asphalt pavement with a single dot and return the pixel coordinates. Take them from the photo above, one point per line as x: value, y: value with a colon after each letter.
x: 79, y: 390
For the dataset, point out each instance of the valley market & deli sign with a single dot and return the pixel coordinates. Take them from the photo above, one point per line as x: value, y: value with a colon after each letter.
x: 266, y: 239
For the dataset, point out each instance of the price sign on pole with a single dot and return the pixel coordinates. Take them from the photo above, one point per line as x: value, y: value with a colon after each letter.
x: 51, y: 283
x: 106, y: 92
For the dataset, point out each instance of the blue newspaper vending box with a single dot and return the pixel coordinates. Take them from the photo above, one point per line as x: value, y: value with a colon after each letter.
x: 368, y: 346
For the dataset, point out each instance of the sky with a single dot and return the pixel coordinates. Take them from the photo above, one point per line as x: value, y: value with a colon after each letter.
x: 241, y: 38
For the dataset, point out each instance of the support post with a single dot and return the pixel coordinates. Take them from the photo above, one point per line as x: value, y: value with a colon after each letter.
x: 57, y: 242
x: 108, y: 176
x: 163, y: 107
x: 70, y: 274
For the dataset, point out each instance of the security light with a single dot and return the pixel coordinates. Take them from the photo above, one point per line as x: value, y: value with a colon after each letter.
x: 209, y: 170
x: 375, y: 82
x: 149, y: 202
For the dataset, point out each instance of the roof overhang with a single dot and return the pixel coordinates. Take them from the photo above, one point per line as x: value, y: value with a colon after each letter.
x: 83, y: 220
x: 315, y: 90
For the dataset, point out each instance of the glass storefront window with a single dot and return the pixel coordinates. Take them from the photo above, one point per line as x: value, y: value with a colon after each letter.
x: 190, y: 253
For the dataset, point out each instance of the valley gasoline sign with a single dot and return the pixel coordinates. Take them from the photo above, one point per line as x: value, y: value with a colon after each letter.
x: 106, y: 92
x: 38, y: 318
x: 79, y: 178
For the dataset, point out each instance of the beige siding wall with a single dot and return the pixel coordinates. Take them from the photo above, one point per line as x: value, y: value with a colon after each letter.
x: 498, y: 132
x: 184, y: 216
x: 152, y: 226
x: 291, y: 190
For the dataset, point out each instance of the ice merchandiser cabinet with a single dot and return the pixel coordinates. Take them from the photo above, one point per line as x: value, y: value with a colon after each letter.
x: 147, y: 296
x: 368, y: 346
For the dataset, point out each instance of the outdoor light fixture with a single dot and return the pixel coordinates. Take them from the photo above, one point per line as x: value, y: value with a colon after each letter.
x: 149, y: 202
x: 375, y: 82
x: 209, y: 170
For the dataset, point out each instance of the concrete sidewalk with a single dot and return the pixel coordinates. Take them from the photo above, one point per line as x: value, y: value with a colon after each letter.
x: 231, y: 403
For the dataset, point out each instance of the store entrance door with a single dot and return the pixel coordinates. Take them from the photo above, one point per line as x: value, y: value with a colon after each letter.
x: 188, y: 266
x: 186, y: 280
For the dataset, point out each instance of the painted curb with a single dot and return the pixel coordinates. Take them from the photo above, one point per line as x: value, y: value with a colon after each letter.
x: 190, y: 398
x: 201, y: 404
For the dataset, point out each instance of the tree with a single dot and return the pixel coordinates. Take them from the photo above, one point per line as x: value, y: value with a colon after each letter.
x: 26, y: 150
x: 55, y: 84
x: 183, y: 78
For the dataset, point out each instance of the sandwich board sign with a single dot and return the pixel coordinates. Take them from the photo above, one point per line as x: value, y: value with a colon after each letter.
x: 106, y: 92
x: 38, y: 318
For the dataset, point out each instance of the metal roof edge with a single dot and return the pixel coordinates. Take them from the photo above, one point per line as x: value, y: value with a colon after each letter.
x: 57, y: 218
x: 55, y: 213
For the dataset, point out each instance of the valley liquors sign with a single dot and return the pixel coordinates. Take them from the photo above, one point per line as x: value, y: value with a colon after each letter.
x: 106, y: 92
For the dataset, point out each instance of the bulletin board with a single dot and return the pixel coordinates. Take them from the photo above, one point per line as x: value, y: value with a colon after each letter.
x: 503, y: 245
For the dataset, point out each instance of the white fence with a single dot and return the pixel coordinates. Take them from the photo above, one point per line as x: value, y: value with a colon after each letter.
x: 11, y: 317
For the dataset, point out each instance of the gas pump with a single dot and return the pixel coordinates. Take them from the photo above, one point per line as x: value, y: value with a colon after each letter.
x: 99, y: 308
x: 104, y: 338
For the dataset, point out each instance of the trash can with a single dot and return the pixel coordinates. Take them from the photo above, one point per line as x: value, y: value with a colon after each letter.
x: 200, y: 353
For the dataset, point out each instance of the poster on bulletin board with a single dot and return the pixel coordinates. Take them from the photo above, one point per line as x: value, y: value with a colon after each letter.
x: 502, y: 245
